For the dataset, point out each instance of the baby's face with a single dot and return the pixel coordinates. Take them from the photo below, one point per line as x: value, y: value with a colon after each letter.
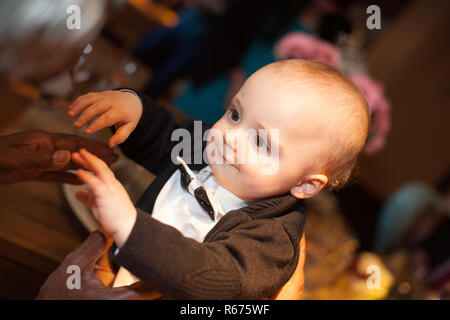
x: 263, y: 165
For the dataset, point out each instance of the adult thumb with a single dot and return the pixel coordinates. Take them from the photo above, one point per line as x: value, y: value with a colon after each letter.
x: 60, y: 159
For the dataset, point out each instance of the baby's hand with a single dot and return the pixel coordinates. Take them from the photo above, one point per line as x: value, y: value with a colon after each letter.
x: 114, y: 108
x: 108, y: 200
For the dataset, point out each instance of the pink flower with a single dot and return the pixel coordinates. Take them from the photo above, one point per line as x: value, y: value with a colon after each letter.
x: 303, y: 46
x: 380, y: 108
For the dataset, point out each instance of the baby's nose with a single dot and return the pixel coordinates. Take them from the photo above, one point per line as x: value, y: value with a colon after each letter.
x: 231, y: 140
x: 235, y: 145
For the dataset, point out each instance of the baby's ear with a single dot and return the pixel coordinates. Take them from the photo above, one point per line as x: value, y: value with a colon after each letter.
x: 310, y: 186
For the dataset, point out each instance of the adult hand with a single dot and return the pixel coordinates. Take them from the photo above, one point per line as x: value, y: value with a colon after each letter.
x: 42, y: 156
x: 91, y: 287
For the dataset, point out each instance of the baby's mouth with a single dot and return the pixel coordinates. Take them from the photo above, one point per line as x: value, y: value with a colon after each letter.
x: 223, y: 159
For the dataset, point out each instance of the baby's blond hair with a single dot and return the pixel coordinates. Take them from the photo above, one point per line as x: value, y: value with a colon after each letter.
x: 350, y: 114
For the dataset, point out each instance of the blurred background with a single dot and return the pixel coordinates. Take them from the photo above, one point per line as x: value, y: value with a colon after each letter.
x: 192, y: 56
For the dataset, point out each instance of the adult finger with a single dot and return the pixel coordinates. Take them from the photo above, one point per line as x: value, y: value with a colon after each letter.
x: 42, y: 159
x: 58, y: 160
x: 87, y: 254
x: 101, y: 150
x: 74, y: 143
x: 108, y: 159
x: 60, y: 177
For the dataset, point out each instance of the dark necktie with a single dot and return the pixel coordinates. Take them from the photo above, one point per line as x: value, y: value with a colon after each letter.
x: 190, y: 182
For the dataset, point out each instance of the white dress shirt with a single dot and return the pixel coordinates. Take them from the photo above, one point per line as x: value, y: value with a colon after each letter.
x: 178, y: 208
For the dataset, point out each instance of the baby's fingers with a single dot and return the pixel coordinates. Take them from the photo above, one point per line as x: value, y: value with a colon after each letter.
x: 98, y: 166
x: 107, y: 119
x: 89, y: 113
x: 86, y: 197
x: 82, y: 103
x: 78, y: 159
x: 92, y: 181
x: 122, y: 133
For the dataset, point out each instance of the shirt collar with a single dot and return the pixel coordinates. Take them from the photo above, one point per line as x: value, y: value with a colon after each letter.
x: 228, y: 201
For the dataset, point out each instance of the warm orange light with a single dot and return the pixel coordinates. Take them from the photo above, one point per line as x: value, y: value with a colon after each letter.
x: 156, y: 12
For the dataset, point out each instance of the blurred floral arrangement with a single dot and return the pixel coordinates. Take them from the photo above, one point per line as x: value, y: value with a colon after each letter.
x: 301, y: 45
x: 348, y: 59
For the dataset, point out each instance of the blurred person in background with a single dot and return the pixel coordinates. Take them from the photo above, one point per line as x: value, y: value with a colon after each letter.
x: 169, y: 50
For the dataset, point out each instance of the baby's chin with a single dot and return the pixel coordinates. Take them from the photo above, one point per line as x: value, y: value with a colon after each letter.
x: 227, y: 176
x: 230, y: 177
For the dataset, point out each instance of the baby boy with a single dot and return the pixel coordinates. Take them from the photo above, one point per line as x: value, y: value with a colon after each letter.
x: 303, y: 118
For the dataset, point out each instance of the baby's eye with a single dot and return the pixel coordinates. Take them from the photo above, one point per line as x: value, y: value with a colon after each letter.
x: 235, y: 116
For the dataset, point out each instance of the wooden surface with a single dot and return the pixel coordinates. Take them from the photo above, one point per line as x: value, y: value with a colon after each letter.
x: 37, y: 230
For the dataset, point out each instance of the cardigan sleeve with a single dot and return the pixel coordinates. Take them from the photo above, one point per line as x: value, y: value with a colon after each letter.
x: 252, y: 260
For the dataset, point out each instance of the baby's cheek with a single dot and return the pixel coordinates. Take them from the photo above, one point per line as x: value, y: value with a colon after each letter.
x: 256, y: 186
x: 267, y: 185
